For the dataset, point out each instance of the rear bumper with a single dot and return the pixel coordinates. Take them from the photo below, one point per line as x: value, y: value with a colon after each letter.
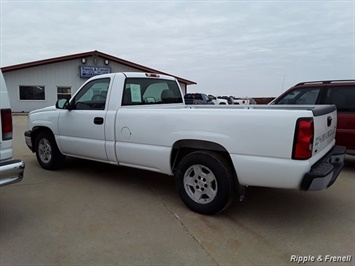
x: 324, y: 173
x: 11, y: 172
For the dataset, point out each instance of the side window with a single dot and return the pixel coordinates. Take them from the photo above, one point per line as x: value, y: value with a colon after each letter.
x: 198, y: 97
x: 206, y: 97
x: 92, y: 96
x: 301, y: 96
x: 342, y: 96
x: 140, y: 91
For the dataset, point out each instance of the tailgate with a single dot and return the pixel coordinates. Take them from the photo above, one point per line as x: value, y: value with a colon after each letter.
x: 325, y: 123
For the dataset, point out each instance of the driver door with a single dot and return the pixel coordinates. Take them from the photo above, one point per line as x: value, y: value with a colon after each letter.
x: 81, y: 129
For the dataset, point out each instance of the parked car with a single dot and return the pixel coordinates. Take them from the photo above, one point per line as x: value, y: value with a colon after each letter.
x: 338, y: 92
x: 197, y: 98
x: 144, y: 123
x: 11, y: 171
x: 225, y: 100
x: 244, y: 101
x: 217, y: 100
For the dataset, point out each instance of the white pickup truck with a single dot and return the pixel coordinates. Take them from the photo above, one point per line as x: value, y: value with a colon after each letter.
x: 140, y: 120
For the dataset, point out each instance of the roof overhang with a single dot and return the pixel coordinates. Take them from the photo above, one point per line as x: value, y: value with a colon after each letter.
x: 91, y: 53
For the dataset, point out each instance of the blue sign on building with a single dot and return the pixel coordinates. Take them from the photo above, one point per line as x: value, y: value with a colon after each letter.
x: 90, y: 71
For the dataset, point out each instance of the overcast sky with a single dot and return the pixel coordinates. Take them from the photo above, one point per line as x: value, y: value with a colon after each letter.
x: 239, y: 48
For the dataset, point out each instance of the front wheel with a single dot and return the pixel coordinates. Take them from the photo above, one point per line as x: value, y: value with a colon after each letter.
x: 205, y: 182
x: 47, y: 152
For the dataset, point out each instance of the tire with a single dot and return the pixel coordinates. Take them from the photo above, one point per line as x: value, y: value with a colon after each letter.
x: 205, y: 182
x: 47, y: 152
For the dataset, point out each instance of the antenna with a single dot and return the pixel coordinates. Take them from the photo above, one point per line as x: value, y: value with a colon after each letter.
x: 283, y: 82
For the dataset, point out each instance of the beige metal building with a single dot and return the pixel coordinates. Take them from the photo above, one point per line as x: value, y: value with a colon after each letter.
x: 41, y: 83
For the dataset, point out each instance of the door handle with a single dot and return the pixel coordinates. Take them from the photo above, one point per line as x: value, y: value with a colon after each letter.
x: 329, y: 121
x: 98, y: 120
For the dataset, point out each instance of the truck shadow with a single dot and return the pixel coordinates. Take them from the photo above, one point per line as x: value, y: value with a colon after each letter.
x: 271, y: 207
x: 114, y: 175
x: 350, y: 162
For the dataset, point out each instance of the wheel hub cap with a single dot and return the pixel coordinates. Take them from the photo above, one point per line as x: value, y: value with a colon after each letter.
x: 200, y: 184
x: 45, y: 150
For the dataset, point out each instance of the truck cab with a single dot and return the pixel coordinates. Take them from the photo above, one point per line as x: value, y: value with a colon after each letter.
x: 197, y: 98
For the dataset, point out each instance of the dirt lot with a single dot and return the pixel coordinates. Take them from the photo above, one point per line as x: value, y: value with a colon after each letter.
x: 97, y: 214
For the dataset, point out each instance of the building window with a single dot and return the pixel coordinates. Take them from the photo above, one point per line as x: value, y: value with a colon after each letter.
x: 63, y: 93
x: 32, y: 93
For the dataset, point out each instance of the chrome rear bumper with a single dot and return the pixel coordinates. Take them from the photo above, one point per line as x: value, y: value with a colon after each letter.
x: 11, y: 172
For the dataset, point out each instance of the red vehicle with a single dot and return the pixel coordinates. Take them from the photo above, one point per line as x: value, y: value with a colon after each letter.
x: 338, y: 92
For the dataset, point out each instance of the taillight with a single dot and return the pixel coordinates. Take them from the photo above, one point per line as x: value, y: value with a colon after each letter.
x: 303, y: 142
x: 6, y: 124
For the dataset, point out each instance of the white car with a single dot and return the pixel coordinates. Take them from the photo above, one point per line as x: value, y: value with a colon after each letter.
x: 218, y: 101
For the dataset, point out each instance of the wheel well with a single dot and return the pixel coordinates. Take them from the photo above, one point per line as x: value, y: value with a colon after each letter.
x: 35, y: 132
x: 183, y: 147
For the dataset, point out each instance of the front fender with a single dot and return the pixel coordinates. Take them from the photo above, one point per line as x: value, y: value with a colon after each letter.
x: 44, y: 118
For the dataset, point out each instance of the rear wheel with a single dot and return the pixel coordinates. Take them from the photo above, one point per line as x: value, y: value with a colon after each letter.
x: 47, y: 152
x: 205, y: 182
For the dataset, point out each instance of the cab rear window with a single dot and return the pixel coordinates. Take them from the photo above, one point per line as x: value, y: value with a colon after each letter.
x: 150, y: 91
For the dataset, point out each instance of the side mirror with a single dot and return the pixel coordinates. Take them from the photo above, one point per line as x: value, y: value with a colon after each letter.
x: 62, y: 104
